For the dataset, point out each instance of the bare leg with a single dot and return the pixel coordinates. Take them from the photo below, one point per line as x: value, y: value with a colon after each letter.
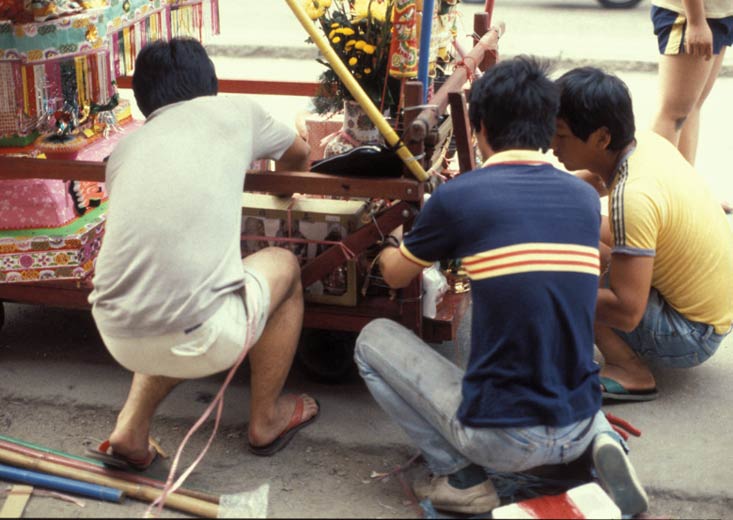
x: 272, y: 356
x: 691, y: 129
x: 130, y: 435
x: 606, y: 243
x: 682, y: 79
x: 621, y: 363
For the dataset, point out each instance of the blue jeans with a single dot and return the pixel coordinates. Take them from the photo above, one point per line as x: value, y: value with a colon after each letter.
x: 421, y: 391
x: 666, y: 338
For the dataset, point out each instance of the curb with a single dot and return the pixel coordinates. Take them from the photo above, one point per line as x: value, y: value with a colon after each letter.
x: 307, y: 53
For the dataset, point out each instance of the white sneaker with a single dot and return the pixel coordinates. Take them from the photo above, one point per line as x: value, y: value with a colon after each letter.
x: 477, y: 499
x: 617, y: 475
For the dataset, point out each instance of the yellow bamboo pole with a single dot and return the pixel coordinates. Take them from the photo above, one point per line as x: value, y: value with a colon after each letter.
x: 355, y: 89
x: 139, y: 491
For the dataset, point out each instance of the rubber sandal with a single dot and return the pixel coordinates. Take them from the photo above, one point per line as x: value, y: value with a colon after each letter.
x: 105, y: 454
x: 296, y: 424
x: 613, y: 390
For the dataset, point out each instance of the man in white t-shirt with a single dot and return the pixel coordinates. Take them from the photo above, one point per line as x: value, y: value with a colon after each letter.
x: 172, y: 297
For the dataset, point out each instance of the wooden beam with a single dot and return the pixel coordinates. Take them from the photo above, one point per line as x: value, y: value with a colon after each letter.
x: 251, y: 86
x: 28, y: 168
x: 284, y: 183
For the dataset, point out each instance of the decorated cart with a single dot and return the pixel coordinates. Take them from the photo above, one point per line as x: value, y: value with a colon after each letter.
x: 335, y: 222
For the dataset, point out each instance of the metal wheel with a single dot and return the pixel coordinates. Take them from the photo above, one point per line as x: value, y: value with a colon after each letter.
x: 327, y: 355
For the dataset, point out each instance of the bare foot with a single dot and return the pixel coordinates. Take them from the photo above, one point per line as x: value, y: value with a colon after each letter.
x: 263, y: 432
x: 130, y: 441
x: 635, y: 376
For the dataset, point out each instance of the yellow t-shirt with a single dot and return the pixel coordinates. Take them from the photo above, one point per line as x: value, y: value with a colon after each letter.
x: 659, y: 206
x: 713, y: 8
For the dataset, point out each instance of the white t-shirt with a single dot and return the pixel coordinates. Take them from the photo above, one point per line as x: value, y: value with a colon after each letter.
x: 171, y: 246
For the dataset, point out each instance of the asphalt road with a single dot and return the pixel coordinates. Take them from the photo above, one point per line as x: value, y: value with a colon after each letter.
x: 59, y: 387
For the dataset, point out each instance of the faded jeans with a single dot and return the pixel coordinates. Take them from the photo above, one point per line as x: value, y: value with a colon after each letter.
x: 421, y: 391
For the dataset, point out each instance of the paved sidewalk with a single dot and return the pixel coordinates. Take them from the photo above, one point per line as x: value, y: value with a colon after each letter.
x: 568, y: 33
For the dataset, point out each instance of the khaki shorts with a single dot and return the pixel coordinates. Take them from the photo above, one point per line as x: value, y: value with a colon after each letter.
x: 205, y: 349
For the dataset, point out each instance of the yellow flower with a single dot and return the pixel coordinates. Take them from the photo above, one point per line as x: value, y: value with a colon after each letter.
x: 367, y: 70
x: 315, y: 8
x: 337, y: 39
x: 353, y: 61
x: 369, y: 49
x: 377, y: 10
x: 344, y: 31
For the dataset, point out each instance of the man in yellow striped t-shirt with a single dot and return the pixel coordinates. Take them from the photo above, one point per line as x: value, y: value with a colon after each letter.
x: 668, y: 298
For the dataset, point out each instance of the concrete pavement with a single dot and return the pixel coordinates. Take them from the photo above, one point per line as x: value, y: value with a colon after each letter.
x: 569, y: 32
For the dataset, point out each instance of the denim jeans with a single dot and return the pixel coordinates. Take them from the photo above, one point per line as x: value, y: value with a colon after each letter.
x: 421, y: 391
x: 666, y: 338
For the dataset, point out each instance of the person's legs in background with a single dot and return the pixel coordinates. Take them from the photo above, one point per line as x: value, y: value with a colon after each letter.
x: 685, y: 82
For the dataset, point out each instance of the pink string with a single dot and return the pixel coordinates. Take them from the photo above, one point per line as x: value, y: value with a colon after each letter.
x: 348, y: 253
x: 170, y: 486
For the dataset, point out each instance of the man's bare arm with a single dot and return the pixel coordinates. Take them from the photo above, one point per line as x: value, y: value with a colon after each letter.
x: 622, y: 305
x: 698, y: 36
x: 397, y: 270
x: 295, y: 157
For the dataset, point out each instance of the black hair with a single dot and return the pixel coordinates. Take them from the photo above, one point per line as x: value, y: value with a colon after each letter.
x: 170, y: 71
x: 516, y: 103
x: 591, y: 99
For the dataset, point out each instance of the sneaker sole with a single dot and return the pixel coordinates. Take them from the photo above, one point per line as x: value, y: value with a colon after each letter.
x: 618, y: 477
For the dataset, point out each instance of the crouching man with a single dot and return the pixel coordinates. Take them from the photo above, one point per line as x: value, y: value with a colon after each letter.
x: 172, y: 297
x: 668, y: 297
x: 527, y: 235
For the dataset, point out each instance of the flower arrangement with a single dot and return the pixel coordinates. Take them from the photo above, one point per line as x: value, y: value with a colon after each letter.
x: 359, y: 31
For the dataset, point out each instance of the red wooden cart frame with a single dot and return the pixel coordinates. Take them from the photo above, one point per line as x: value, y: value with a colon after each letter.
x: 424, y: 135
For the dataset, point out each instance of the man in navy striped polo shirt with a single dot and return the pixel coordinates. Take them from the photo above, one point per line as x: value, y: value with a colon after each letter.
x: 527, y: 234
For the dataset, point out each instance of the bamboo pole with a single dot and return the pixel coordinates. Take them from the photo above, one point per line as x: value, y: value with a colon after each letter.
x: 59, y: 457
x: 140, y: 492
x: 355, y: 89
x: 37, y: 447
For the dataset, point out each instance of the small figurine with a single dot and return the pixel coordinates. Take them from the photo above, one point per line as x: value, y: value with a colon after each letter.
x: 63, y: 142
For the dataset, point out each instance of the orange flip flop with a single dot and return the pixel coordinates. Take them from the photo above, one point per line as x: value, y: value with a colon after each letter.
x: 105, y: 454
x: 296, y: 424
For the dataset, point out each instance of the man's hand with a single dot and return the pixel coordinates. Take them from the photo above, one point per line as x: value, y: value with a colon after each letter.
x: 699, y: 40
x: 698, y: 36
x: 594, y: 180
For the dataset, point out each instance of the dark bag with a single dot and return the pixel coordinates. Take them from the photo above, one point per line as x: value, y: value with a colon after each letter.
x: 362, y: 161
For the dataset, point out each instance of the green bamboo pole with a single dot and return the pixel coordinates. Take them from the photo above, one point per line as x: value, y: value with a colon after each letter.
x: 51, y: 451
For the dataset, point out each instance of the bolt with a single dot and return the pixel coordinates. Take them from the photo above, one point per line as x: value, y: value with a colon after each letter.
x: 405, y: 213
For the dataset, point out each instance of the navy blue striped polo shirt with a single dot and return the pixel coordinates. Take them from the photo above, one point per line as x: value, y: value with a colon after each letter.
x: 527, y: 235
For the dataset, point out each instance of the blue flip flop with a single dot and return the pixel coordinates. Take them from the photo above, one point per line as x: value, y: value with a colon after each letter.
x: 612, y: 390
